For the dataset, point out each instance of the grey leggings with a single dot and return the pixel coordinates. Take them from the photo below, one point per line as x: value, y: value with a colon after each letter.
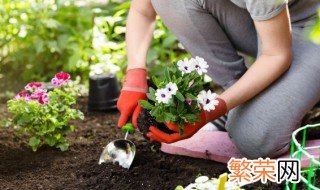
x: 217, y: 30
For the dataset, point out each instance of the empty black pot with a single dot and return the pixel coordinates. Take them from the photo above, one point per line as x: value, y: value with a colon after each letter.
x: 104, y: 91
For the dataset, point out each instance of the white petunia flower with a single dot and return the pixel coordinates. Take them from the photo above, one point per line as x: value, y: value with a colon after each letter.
x: 208, y: 100
x: 185, y: 66
x: 172, y: 88
x: 201, y: 97
x: 200, y: 65
x: 162, y: 96
x: 202, y: 179
x: 191, y: 186
x: 206, y: 186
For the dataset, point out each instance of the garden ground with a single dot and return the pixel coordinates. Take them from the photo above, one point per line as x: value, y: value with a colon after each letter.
x: 78, y: 168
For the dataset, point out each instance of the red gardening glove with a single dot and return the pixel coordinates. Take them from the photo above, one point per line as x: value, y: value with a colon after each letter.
x: 134, y: 89
x: 157, y: 135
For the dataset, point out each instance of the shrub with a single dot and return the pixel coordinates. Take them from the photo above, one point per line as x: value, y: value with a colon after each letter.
x: 44, y: 116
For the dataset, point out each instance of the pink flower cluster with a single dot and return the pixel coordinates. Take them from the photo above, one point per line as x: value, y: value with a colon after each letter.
x: 32, y: 86
x: 60, y: 78
x: 41, y: 96
x: 23, y: 94
x: 35, y: 91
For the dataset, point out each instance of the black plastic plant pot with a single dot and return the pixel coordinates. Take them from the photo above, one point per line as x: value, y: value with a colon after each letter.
x: 104, y: 91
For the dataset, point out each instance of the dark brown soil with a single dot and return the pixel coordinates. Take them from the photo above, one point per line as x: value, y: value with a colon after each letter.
x: 145, y: 120
x: 78, y: 168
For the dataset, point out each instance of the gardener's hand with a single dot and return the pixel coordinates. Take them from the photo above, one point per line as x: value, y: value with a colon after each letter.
x: 134, y: 89
x: 205, y: 116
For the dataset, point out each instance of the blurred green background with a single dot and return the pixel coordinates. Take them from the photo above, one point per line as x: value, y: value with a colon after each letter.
x: 41, y: 37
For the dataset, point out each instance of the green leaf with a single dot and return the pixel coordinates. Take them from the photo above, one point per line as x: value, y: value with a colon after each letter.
x: 170, y: 117
x: 63, y: 146
x: 169, y: 40
x: 53, y: 120
x: 5, y: 123
x: 73, y: 61
x: 160, y: 118
x: 179, y: 188
x: 151, y: 90
x: 167, y: 74
x: 50, y: 140
x: 34, y: 143
x: 151, y: 95
x: 58, y: 136
x: 145, y: 104
x: 128, y: 128
x: 156, y: 81
x: 181, y: 127
x: 155, y: 111
x: 71, y: 127
x: 39, y: 46
x: 191, y: 117
x: 180, y: 107
x: 152, y: 55
x: 180, y: 96
x: 80, y: 116
x: 192, y: 97
x: 23, y: 119
x: 51, y: 23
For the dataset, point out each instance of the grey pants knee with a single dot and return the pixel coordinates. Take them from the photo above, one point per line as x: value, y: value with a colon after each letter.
x: 217, y: 31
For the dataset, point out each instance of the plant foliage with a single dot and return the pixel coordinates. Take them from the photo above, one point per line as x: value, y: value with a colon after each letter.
x: 179, y: 104
x: 45, y: 122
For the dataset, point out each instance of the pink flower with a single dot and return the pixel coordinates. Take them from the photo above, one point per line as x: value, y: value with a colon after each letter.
x: 32, y: 86
x: 22, y: 94
x: 60, y: 79
x: 43, y: 99
x: 41, y: 96
x: 62, y: 76
x: 189, y: 101
x: 35, y: 95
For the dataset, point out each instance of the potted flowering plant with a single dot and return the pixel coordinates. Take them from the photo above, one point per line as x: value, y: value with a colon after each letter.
x: 44, y: 116
x: 177, y: 98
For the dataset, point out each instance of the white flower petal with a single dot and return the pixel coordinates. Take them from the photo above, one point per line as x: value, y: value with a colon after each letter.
x: 192, y: 186
x: 162, y: 96
x: 186, y: 66
x: 205, y: 186
x: 202, y: 179
x: 208, y: 100
x: 200, y: 65
x: 202, y: 97
x: 172, y: 88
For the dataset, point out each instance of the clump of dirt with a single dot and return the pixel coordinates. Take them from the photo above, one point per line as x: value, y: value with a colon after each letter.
x: 145, y: 120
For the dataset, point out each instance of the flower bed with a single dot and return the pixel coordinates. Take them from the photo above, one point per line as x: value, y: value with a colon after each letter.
x: 78, y: 167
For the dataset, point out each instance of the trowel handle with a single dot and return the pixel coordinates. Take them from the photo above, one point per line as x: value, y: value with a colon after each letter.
x: 128, y: 128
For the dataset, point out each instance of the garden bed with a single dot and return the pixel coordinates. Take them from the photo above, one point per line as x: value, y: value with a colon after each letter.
x: 78, y: 168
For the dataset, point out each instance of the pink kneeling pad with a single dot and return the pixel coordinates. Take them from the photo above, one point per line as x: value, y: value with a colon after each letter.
x: 217, y: 146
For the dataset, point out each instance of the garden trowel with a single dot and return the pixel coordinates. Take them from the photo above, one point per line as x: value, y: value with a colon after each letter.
x: 120, y: 150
